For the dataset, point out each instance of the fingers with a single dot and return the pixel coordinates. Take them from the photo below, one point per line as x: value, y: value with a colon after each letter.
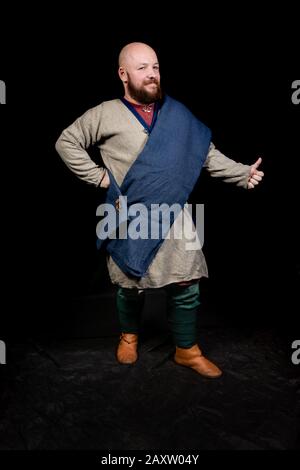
x: 256, y: 177
x: 253, y: 181
x: 257, y: 163
x: 106, y: 181
x: 256, y: 172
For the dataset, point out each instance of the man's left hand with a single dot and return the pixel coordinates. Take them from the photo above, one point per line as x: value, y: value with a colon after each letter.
x: 255, y: 176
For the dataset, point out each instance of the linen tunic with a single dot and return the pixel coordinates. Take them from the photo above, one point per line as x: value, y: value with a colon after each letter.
x: 120, y: 137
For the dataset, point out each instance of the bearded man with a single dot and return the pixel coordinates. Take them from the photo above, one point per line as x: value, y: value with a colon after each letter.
x: 153, y: 149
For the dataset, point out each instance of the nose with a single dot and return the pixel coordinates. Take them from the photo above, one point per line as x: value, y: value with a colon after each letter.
x: 153, y: 73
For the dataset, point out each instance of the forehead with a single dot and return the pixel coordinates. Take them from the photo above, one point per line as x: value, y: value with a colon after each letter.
x: 142, y: 56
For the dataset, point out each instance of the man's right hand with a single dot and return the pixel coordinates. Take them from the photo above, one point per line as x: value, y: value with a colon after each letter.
x: 106, y: 181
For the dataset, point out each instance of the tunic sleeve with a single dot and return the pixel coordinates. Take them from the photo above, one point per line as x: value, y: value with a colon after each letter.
x: 230, y: 171
x: 74, y: 142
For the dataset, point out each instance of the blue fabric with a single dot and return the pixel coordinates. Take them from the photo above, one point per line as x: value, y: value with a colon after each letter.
x: 165, y: 172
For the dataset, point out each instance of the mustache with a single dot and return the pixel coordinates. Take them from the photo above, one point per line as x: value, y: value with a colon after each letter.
x: 154, y: 80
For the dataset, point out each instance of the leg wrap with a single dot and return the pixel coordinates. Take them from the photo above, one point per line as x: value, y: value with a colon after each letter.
x: 130, y: 304
x: 183, y: 303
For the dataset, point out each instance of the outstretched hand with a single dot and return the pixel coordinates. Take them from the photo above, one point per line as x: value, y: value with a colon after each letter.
x: 256, y: 175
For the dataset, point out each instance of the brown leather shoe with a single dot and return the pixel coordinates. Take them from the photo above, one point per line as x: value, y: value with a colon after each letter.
x: 127, y: 348
x: 193, y: 358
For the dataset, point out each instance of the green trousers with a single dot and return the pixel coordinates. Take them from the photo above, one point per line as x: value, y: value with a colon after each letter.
x: 183, y: 303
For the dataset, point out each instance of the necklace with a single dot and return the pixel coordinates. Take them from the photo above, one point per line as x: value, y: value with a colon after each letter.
x: 147, y: 108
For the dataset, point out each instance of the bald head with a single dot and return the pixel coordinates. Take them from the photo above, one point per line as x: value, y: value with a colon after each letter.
x: 139, y: 72
x: 136, y: 51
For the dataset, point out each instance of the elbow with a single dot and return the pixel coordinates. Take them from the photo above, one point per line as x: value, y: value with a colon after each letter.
x: 59, y: 145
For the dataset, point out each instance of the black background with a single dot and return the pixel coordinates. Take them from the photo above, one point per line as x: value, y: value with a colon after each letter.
x: 235, y: 73
x: 234, y: 67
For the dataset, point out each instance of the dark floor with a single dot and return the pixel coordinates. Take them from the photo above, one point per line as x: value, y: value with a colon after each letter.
x: 72, y: 394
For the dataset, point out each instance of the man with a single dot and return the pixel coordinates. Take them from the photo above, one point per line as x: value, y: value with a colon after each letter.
x: 153, y: 149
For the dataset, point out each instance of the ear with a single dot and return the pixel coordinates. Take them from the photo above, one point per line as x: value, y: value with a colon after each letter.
x: 122, y: 74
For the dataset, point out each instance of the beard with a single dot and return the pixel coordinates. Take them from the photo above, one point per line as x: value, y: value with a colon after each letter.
x: 143, y: 96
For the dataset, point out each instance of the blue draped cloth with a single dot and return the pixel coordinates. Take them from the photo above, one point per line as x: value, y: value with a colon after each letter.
x: 164, y: 173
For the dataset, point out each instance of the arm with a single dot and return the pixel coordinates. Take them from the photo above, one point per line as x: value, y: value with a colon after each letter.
x: 230, y: 171
x: 73, y: 143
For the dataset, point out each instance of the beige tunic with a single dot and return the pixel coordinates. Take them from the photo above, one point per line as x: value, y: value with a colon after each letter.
x: 120, y: 138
